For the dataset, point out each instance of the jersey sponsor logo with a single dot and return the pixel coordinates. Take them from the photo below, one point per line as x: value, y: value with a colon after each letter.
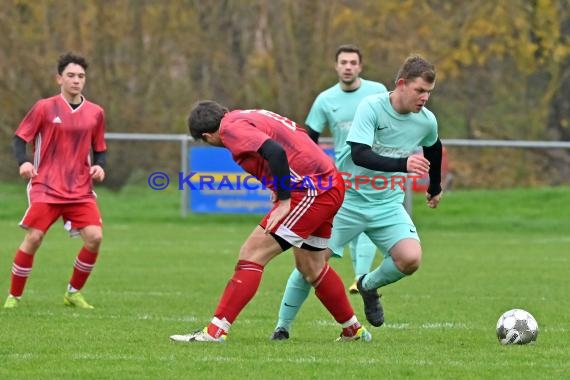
x: 334, y: 109
x: 378, y: 148
x: 56, y: 120
x: 379, y: 129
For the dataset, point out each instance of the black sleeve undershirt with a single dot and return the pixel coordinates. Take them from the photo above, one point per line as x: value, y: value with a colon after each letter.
x: 362, y: 155
x: 433, y: 154
x: 314, y: 135
x: 19, y: 148
x: 279, y: 167
x: 100, y: 158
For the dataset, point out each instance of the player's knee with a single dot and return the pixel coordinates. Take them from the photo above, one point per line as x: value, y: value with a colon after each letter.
x: 305, y: 270
x: 411, y: 264
x: 33, y: 240
x: 93, y: 240
x: 310, y: 263
x: 412, y: 267
x: 407, y: 256
x: 310, y: 270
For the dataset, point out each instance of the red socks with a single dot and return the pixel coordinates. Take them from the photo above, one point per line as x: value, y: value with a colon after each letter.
x: 84, y: 263
x: 238, y: 292
x: 21, y: 269
x: 330, y: 290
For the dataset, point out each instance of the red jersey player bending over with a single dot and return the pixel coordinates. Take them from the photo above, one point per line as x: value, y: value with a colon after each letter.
x: 63, y: 130
x: 307, y: 191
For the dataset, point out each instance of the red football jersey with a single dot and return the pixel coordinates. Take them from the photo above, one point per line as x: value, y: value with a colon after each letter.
x: 244, y: 131
x: 62, y: 141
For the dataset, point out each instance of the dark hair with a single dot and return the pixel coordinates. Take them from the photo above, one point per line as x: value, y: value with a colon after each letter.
x: 205, y: 117
x: 349, y: 48
x: 416, y: 67
x: 68, y: 58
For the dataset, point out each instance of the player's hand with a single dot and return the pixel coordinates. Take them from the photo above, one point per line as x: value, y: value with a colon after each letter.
x: 417, y: 164
x: 27, y: 170
x: 282, y: 209
x: 433, y: 201
x: 97, y: 173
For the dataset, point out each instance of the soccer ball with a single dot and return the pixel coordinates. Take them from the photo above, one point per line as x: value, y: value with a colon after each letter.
x: 517, y: 326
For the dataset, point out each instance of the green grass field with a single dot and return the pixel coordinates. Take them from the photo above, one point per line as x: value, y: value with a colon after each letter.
x: 484, y: 252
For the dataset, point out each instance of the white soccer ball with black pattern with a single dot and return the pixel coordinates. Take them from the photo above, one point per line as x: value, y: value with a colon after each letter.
x: 517, y: 326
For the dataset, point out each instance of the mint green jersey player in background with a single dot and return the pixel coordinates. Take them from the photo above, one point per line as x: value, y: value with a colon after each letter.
x: 386, y: 131
x: 334, y: 108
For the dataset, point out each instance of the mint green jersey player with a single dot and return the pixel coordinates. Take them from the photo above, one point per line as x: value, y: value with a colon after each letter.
x: 386, y: 132
x: 335, y: 108
x: 373, y: 200
x: 390, y: 134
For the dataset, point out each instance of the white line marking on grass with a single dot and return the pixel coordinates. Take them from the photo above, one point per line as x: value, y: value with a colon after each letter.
x: 24, y: 356
x: 313, y: 359
x: 408, y: 326
x: 444, y: 325
x: 147, y: 317
x: 440, y: 326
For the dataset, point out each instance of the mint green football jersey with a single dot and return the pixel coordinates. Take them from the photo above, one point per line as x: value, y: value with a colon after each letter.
x: 390, y: 134
x: 335, y: 109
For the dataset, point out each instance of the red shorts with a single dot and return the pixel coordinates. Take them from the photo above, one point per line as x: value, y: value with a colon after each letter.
x: 75, y: 216
x: 310, y: 218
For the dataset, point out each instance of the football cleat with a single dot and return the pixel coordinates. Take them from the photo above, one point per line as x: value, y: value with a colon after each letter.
x: 11, y: 302
x: 198, y: 336
x: 361, y: 334
x: 372, y: 307
x: 280, y: 333
x: 76, y: 299
x: 353, y: 289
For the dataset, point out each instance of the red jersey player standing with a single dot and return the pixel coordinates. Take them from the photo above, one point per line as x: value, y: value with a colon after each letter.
x: 307, y: 192
x: 63, y: 130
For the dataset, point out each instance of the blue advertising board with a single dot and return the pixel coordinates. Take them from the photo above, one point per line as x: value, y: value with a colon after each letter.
x: 219, y: 185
